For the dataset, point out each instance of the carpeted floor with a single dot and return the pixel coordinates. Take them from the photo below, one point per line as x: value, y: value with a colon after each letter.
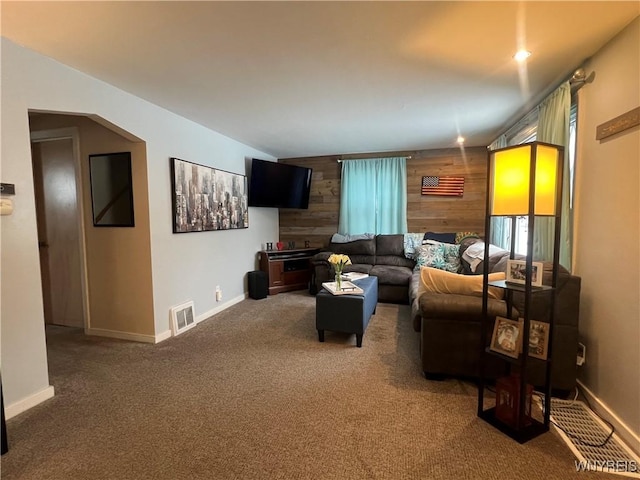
x: 251, y: 394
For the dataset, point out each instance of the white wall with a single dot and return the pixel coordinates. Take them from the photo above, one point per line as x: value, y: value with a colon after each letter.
x: 184, y: 266
x: 607, y: 239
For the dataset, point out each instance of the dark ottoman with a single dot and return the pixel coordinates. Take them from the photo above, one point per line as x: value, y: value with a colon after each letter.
x: 347, y: 313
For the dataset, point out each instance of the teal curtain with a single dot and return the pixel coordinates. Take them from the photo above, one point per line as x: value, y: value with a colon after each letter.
x: 500, y: 226
x: 553, y: 127
x: 373, y: 196
x: 358, y: 182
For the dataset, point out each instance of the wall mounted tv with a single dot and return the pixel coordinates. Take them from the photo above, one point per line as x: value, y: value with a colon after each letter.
x: 279, y: 185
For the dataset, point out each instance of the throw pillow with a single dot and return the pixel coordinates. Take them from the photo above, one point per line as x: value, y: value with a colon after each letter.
x: 443, y: 256
x: 460, y: 236
x: 438, y: 281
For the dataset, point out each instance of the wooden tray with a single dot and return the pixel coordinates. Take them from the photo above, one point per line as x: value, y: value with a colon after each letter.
x: 348, y: 288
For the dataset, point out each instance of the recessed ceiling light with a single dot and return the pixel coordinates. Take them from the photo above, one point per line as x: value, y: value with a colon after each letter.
x: 460, y: 139
x: 522, y: 55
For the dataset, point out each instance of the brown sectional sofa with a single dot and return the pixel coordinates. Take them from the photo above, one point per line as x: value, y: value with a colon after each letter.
x: 449, y: 324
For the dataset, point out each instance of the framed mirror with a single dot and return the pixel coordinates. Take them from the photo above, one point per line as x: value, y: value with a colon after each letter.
x: 111, y: 189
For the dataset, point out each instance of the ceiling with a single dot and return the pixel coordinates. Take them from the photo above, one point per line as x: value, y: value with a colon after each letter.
x: 313, y: 78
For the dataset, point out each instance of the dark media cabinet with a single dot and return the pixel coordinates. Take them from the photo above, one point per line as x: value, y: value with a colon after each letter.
x: 287, y: 269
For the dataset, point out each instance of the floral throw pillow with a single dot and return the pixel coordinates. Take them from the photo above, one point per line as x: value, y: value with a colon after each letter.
x: 444, y: 256
x: 451, y: 255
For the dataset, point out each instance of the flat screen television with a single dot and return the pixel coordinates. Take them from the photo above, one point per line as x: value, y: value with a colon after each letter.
x: 279, y: 185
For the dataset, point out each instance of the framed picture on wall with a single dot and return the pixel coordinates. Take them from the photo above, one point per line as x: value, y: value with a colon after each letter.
x: 111, y: 189
x: 205, y: 198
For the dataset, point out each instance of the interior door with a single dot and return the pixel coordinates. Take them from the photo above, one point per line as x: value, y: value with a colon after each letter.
x: 58, y: 231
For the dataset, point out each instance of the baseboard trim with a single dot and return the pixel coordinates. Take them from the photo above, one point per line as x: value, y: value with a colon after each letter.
x: 31, y: 401
x: 134, y: 337
x: 631, y: 438
x: 220, y: 308
x: 163, y: 336
x: 203, y: 316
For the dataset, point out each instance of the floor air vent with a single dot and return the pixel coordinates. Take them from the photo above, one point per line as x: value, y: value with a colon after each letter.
x: 583, y: 432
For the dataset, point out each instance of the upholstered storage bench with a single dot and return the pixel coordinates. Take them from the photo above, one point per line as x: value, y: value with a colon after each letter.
x: 347, y: 313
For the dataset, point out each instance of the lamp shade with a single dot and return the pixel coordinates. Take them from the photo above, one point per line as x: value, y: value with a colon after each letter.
x: 510, y: 171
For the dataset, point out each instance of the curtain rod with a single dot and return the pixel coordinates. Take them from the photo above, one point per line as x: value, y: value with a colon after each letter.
x: 340, y: 159
x: 577, y: 80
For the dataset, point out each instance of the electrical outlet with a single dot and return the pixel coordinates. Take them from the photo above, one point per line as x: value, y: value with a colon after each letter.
x: 218, y: 293
x: 582, y: 354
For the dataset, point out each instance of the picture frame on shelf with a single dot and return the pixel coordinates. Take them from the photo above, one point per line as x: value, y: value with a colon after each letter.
x: 182, y: 318
x: 538, y: 339
x: 507, y: 337
x: 516, y: 272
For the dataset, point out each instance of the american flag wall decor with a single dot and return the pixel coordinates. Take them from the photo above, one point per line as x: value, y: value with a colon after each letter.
x: 449, y: 186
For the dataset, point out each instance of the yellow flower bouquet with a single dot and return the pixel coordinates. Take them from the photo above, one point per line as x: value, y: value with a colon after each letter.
x: 339, y: 260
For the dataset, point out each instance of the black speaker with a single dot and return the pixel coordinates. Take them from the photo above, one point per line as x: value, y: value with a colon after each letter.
x: 258, y: 284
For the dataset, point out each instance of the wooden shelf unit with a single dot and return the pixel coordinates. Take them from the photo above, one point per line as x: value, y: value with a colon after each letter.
x: 287, y: 269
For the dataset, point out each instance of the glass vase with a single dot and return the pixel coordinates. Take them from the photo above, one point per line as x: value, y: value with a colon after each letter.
x: 338, y: 280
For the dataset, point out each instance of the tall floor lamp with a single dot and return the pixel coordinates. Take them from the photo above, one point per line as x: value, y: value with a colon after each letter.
x: 525, y: 180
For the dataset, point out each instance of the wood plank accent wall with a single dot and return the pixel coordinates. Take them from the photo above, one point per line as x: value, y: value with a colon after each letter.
x: 424, y: 213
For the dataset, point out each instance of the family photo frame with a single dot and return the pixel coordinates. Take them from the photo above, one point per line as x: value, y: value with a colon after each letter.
x: 517, y: 272
x: 507, y: 337
x: 207, y: 199
x: 538, y: 339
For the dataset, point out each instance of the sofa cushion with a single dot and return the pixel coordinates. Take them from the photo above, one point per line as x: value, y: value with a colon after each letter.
x: 461, y: 307
x: 359, y: 251
x: 498, y: 263
x: 391, y: 275
x: 439, y: 281
x: 390, y: 245
x: 395, y: 261
x: 358, y: 267
x: 390, y: 251
x: 357, y: 247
